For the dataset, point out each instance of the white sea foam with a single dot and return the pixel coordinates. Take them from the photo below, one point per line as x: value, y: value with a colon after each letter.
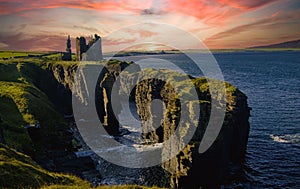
x: 288, y: 138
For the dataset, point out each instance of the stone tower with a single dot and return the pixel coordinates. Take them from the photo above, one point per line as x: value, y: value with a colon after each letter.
x: 68, y: 54
x: 68, y: 49
x: 94, y: 46
x: 81, y: 47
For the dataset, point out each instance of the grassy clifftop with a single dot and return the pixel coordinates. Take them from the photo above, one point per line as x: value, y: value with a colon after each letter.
x: 22, y: 105
x: 23, y: 102
x: 19, y: 171
x: 37, y: 90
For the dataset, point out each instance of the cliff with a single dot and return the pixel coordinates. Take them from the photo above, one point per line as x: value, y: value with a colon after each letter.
x: 35, y: 90
x: 188, y: 169
x: 32, y: 104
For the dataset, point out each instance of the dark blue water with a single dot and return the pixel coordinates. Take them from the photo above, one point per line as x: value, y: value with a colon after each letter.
x: 271, y: 80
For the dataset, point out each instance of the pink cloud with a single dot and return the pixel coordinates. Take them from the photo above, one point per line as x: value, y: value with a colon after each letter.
x: 278, y: 27
x: 210, y: 12
x: 141, y: 32
x: 245, y: 4
x: 222, y: 17
x: 214, y: 12
x: 17, y: 6
x: 111, y: 42
x: 45, y: 42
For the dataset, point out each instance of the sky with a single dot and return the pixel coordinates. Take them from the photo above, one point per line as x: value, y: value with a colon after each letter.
x: 44, y: 25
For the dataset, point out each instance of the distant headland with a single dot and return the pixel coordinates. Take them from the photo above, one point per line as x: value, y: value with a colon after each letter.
x: 287, y: 44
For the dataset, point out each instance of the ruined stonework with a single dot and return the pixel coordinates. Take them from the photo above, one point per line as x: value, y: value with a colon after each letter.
x: 68, y: 54
x: 94, y: 45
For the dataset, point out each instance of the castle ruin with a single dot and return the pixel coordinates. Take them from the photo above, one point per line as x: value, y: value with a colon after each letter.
x: 95, y: 46
x: 67, y: 56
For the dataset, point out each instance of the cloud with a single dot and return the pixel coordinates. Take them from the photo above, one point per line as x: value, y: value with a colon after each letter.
x: 151, y: 11
x: 3, y: 45
x: 33, y: 42
x: 246, y: 4
x: 277, y: 27
x: 214, y: 12
x: 210, y: 12
x: 226, y: 21
x: 89, y: 29
x: 141, y: 32
x: 263, y: 23
x: 17, y: 6
x: 112, y: 42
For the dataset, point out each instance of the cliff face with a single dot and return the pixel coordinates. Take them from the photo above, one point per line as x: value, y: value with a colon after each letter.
x: 189, y: 169
x: 159, y: 108
x: 34, y: 98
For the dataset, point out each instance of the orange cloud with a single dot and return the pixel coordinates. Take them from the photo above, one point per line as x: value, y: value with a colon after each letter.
x: 34, y: 42
x: 226, y: 21
x: 17, y: 6
x: 112, y: 42
x: 277, y: 27
x: 142, y: 32
x: 245, y: 4
x: 210, y: 12
x: 214, y: 12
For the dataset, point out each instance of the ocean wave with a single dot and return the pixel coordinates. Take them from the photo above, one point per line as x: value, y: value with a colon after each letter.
x: 288, y: 138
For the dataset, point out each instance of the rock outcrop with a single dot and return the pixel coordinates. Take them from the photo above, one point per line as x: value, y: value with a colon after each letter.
x: 41, y: 94
x: 188, y: 169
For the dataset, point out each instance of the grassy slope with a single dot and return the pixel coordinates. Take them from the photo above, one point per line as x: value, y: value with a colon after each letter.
x: 22, y: 103
x: 19, y: 171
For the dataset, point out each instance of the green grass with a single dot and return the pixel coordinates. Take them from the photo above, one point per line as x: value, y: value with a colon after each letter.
x: 13, y: 124
x: 19, y: 171
x: 22, y: 103
x: 13, y: 54
x: 21, y: 55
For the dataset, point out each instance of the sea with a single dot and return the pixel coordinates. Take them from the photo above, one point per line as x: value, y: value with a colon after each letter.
x: 271, y: 80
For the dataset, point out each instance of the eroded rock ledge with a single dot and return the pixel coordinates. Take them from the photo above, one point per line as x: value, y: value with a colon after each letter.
x: 188, y: 169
